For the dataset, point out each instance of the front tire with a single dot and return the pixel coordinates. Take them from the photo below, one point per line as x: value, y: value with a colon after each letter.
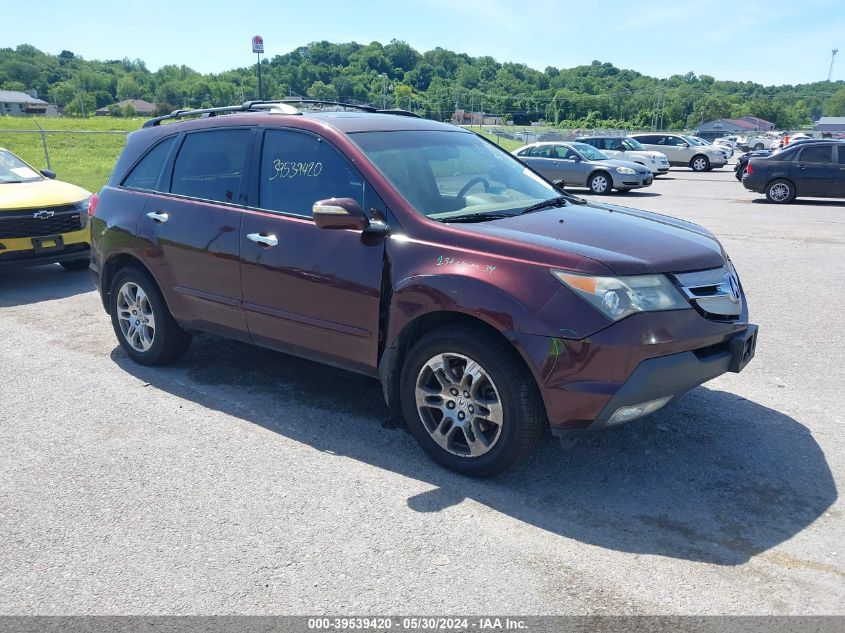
x: 699, y: 163
x: 145, y: 329
x: 780, y: 191
x: 469, y: 401
x: 600, y: 183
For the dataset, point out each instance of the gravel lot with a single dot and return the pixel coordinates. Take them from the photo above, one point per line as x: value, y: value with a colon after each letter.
x: 246, y: 481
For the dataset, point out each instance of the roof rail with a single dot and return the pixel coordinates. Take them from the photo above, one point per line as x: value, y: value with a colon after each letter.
x: 247, y: 106
x: 351, y: 106
x: 279, y: 106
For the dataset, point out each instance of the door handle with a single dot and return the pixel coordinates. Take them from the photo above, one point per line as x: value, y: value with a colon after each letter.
x: 264, y: 240
x: 159, y: 217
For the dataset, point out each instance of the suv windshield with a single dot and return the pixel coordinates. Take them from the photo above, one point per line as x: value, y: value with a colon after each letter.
x: 630, y: 143
x: 13, y: 169
x: 446, y: 174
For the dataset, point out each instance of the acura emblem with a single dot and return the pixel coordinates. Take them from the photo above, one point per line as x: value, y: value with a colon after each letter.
x: 731, y: 285
x: 42, y: 215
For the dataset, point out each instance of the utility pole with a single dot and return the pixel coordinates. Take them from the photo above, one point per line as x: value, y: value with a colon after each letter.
x: 832, y: 58
x: 258, y: 48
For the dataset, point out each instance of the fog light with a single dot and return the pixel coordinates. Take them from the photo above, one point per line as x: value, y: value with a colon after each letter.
x: 626, y: 414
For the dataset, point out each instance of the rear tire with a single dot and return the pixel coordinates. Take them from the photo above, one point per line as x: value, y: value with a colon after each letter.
x: 600, y: 183
x: 144, y: 327
x: 699, y: 163
x: 76, y: 264
x: 469, y: 401
x: 780, y: 191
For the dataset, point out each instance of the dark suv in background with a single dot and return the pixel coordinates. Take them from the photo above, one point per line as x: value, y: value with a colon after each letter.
x: 489, y: 304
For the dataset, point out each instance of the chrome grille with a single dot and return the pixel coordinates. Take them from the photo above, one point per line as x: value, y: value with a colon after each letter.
x: 716, y: 292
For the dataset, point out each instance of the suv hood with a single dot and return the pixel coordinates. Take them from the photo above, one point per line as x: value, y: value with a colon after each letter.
x: 39, y: 194
x: 627, y: 241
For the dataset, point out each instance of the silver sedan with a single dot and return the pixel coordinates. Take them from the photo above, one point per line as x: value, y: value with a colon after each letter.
x: 582, y: 165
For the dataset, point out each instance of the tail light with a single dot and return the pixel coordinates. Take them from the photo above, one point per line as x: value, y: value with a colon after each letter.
x: 92, y: 204
x: 749, y: 169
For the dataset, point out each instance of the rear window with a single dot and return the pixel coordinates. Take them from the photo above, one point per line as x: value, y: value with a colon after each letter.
x: 210, y: 165
x: 146, y: 174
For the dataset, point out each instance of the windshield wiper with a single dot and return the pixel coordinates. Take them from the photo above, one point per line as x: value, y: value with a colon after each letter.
x: 474, y: 217
x: 552, y: 202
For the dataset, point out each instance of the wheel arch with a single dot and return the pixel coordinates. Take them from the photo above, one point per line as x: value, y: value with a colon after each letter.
x: 786, y: 179
x: 704, y: 156
x: 116, y: 263
x: 390, y: 363
x: 601, y: 170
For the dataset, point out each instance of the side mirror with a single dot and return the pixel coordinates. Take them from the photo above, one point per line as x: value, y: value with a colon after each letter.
x: 48, y: 173
x: 340, y: 213
x: 684, y: 144
x: 619, y: 148
x: 560, y: 184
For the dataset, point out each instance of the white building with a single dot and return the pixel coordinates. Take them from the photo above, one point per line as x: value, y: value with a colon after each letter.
x: 13, y: 103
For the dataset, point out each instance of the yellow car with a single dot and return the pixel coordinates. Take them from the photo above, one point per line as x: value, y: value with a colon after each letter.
x: 42, y: 220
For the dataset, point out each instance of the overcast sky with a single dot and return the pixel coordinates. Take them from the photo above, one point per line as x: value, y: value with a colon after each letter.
x: 771, y: 42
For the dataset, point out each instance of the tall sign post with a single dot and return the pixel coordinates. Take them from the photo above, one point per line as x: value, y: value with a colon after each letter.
x: 258, y: 48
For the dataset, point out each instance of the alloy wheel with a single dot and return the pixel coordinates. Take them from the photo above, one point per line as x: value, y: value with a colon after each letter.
x: 459, y: 405
x: 779, y: 191
x: 135, y: 316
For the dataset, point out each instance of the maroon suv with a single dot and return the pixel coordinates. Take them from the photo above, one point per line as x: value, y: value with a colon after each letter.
x: 489, y: 303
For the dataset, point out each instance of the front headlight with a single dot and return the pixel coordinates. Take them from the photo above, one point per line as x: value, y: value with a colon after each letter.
x: 618, y: 297
x: 626, y: 170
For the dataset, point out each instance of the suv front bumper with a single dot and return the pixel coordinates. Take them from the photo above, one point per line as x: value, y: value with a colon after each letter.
x: 658, y: 380
x: 645, y: 359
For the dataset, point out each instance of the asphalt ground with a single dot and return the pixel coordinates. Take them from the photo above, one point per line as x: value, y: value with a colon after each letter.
x: 245, y: 481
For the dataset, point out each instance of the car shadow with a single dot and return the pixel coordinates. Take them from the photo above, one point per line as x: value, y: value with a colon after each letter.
x: 815, y: 202
x: 713, y: 478
x: 20, y: 286
x: 637, y: 194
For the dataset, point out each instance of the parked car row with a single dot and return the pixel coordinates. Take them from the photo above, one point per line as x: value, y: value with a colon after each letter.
x: 606, y: 163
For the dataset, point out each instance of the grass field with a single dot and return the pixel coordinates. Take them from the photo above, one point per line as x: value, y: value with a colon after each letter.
x: 504, y: 143
x: 82, y: 151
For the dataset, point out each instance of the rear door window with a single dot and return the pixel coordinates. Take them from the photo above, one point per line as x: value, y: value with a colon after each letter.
x: 210, y: 165
x: 298, y: 169
x: 817, y: 154
x: 147, y: 172
x: 841, y: 150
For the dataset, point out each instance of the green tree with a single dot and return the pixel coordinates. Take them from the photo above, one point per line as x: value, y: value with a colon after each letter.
x: 835, y: 105
x: 128, y: 88
x: 319, y: 90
